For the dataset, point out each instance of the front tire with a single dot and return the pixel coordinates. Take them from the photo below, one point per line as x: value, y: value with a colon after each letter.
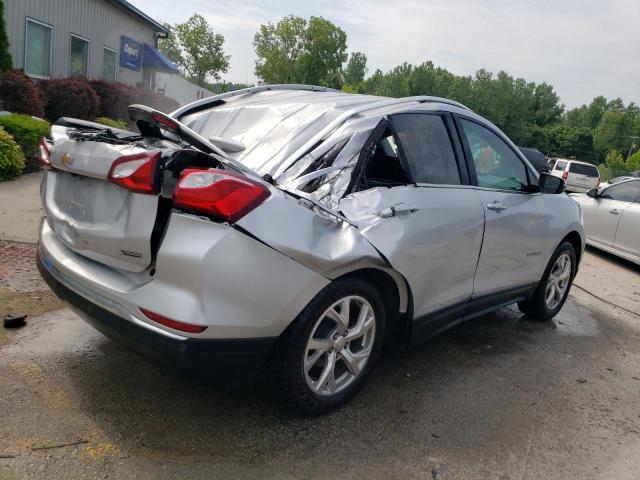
x: 331, y: 348
x: 553, y: 289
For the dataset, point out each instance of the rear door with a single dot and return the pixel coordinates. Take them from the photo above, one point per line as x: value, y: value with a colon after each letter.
x: 413, y: 202
x: 583, y: 176
x: 517, y: 219
x: 627, y: 236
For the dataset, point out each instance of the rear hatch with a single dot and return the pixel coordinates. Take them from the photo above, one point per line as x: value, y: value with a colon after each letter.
x: 107, y: 194
x: 583, y: 175
x: 96, y: 218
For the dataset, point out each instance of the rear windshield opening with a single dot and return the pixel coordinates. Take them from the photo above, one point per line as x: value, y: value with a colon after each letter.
x: 581, y: 169
x: 560, y: 165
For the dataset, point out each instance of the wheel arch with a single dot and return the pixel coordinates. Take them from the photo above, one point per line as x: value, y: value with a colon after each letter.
x: 396, y: 294
x: 576, y: 241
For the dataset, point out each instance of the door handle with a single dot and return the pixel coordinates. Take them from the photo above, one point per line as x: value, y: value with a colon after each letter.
x: 614, y: 211
x: 399, y: 208
x: 496, y: 206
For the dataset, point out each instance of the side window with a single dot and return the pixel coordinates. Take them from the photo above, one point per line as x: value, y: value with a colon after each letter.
x: 427, y: 148
x: 625, y: 192
x: 384, y: 168
x: 497, y: 166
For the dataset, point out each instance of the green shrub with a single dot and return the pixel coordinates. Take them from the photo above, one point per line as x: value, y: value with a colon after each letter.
x: 633, y: 163
x: 26, y: 132
x: 11, y: 157
x: 110, y: 122
x: 614, y: 160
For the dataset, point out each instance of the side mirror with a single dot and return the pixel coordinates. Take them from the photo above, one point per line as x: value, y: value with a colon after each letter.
x: 593, y: 193
x: 550, y: 184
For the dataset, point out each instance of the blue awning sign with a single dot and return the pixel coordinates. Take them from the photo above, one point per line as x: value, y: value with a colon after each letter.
x: 130, y: 53
x: 153, y: 59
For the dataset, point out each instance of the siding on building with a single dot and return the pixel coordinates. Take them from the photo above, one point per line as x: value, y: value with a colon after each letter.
x: 102, y: 22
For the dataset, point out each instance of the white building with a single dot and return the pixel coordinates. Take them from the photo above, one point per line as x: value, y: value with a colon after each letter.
x: 108, y: 39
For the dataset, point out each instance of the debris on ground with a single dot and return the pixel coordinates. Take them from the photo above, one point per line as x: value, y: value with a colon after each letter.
x: 582, y: 380
x: 15, y: 321
x: 60, y: 445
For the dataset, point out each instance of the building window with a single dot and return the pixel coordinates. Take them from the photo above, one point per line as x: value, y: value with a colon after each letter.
x: 78, y: 56
x: 109, y: 64
x: 37, y: 49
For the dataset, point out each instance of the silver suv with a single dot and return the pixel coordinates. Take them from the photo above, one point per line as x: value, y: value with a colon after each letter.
x: 295, y: 231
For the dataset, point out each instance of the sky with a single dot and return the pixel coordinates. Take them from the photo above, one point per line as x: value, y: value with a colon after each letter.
x: 584, y: 48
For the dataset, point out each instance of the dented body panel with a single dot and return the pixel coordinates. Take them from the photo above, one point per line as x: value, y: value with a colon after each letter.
x: 307, y: 149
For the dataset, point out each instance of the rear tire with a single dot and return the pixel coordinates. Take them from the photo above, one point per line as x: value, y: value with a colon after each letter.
x: 324, y: 359
x: 554, y: 286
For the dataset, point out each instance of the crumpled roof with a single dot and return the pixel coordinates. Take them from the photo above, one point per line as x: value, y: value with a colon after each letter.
x: 273, y: 124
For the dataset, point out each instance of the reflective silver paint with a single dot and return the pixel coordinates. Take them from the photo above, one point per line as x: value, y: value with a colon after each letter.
x: 435, y: 247
x: 199, y: 284
x: 254, y: 279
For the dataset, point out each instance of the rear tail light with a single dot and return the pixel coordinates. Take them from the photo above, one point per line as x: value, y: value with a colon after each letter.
x: 135, y: 172
x: 218, y: 193
x: 44, y: 154
x: 165, y: 121
x: 176, y: 325
x: 565, y: 175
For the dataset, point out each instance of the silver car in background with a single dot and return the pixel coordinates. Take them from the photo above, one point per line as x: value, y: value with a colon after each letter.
x: 296, y: 231
x: 612, y: 218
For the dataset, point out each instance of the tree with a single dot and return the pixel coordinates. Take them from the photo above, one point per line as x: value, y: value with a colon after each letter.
x: 356, y: 69
x: 5, y: 57
x: 633, y: 163
x: 295, y: 50
x: 615, y: 162
x: 197, y: 50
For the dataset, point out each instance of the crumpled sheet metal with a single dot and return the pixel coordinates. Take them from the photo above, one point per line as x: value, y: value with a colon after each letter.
x: 273, y: 125
x: 317, y: 239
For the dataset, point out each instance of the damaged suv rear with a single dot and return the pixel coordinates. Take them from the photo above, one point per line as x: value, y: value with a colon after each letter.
x: 296, y: 231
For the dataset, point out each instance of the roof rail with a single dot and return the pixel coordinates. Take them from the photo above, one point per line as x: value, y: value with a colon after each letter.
x: 338, y: 121
x: 200, y: 104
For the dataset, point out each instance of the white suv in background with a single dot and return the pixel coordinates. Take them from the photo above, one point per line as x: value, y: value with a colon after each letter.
x: 578, y: 176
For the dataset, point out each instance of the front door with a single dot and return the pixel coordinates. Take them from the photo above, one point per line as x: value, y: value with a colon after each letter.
x: 517, y: 221
x: 414, y: 204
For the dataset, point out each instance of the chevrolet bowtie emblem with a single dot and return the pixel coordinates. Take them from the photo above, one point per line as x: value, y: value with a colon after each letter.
x: 66, y: 159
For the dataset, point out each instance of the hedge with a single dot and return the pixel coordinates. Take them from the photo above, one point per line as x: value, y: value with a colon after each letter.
x: 110, y: 122
x: 20, y: 94
x: 26, y: 132
x: 70, y: 97
x: 114, y: 97
x: 11, y: 157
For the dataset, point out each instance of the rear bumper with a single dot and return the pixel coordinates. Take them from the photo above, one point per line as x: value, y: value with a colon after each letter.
x: 230, y: 362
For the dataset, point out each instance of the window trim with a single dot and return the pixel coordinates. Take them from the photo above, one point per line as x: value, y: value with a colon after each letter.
x: 28, y: 19
x: 458, y: 155
x: 80, y: 37
x: 472, y: 167
x: 115, y: 70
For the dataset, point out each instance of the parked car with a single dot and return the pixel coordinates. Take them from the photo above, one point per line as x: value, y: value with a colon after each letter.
x: 612, y: 218
x: 536, y: 158
x: 615, y: 180
x: 299, y: 229
x: 579, y: 176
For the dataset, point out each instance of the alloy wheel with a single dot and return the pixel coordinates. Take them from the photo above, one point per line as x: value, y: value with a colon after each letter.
x: 558, y: 281
x: 339, y: 346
